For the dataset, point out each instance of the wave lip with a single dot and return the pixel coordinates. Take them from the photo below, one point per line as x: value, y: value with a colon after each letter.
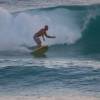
x: 20, y: 5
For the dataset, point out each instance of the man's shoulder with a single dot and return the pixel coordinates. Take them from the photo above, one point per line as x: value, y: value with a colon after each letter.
x: 41, y: 29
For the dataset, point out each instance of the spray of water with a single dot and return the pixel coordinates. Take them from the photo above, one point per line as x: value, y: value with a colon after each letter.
x: 19, y: 29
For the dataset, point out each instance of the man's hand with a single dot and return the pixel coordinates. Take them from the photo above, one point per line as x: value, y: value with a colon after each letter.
x: 43, y: 39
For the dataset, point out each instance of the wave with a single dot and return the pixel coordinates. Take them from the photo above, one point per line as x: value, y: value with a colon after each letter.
x: 65, y: 73
x: 73, y: 26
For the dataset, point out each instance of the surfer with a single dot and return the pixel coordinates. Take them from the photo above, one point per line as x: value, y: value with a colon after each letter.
x: 41, y: 33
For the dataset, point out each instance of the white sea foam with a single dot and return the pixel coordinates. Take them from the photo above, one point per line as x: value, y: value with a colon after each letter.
x: 70, y: 97
x: 50, y: 63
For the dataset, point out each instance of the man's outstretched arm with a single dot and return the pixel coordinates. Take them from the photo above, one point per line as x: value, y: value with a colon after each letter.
x: 49, y: 36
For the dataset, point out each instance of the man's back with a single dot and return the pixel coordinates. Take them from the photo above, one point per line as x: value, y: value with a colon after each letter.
x: 41, y: 32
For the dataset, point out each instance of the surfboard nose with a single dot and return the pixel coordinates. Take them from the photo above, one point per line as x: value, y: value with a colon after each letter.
x: 40, y: 51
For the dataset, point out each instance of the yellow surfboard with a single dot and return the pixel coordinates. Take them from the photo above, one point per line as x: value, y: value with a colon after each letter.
x: 40, y: 51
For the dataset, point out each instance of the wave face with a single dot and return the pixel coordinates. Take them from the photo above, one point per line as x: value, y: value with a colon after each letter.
x: 76, y: 26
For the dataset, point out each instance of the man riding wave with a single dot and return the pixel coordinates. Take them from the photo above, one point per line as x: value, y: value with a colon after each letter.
x: 41, y: 33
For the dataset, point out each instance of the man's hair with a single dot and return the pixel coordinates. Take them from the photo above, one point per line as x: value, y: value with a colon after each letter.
x: 46, y: 26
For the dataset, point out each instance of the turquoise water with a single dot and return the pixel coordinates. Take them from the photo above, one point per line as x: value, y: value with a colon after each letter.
x: 72, y: 61
x: 49, y: 76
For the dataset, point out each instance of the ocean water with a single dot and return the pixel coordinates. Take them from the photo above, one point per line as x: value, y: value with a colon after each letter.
x: 70, y: 66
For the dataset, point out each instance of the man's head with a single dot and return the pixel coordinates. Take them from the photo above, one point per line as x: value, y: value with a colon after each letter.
x: 46, y: 27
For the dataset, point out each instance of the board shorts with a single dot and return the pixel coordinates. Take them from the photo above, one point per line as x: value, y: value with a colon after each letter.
x: 37, y: 39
